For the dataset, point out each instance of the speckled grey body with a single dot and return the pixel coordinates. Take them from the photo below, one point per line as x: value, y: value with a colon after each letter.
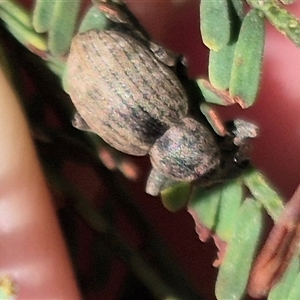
x: 122, y: 91
x: 185, y: 152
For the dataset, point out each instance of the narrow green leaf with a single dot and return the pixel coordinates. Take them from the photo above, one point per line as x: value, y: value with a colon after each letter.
x: 234, y: 271
x: 94, y: 19
x: 56, y: 66
x: 25, y: 35
x: 204, y: 204
x: 262, y: 192
x: 230, y: 202
x: 295, y: 291
x: 215, y: 23
x: 214, y: 95
x: 62, y: 26
x: 286, y: 283
x: 210, y: 93
x: 280, y: 18
x: 42, y: 15
x: 247, y: 61
x: 64, y: 80
x: 176, y: 196
x: 220, y: 64
x: 17, y: 12
x: 217, y: 208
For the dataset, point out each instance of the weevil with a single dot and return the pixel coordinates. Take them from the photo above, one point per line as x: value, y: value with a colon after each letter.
x: 127, y: 90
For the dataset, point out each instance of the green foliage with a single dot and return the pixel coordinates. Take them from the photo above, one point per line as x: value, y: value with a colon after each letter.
x: 18, y: 22
x: 238, y: 63
x: 227, y: 210
x: 175, y: 197
x: 233, y: 274
x: 217, y: 207
x: 220, y: 65
x: 50, y: 16
x: 247, y: 60
x: 42, y: 15
x: 235, y: 63
x: 215, y: 23
x: 287, y: 283
x: 93, y: 19
x: 237, y: 220
x: 213, y: 94
x: 293, y: 282
x: 262, y: 191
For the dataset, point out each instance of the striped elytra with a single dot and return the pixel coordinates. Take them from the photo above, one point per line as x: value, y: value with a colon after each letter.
x: 122, y: 91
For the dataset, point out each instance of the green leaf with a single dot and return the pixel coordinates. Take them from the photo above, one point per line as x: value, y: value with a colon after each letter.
x: 215, y: 23
x: 16, y: 12
x: 94, y: 19
x: 16, y: 21
x: 42, y: 15
x: 176, y: 196
x: 234, y: 271
x: 262, y: 192
x: 62, y: 26
x: 56, y: 66
x: 204, y: 203
x: 214, y: 95
x: 286, y: 283
x: 217, y: 208
x: 230, y: 202
x: 247, y: 61
x: 219, y: 67
x: 295, y: 291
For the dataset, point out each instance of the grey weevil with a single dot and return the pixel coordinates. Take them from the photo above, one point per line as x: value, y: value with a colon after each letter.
x: 126, y: 89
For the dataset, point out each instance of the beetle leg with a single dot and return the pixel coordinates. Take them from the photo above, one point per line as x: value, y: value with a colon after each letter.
x: 281, y: 245
x: 165, y: 56
x: 79, y: 123
x: 157, y: 182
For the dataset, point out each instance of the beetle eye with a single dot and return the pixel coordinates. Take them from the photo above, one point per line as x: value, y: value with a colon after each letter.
x: 242, y: 162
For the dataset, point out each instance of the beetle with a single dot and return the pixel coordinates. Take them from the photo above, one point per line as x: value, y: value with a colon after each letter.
x: 129, y: 91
